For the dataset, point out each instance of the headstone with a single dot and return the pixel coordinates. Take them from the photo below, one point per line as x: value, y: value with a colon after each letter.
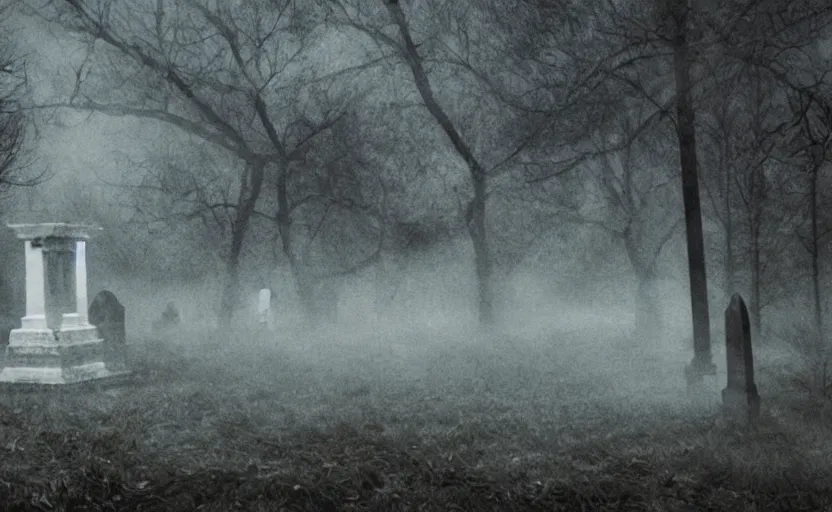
x: 740, y: 392
x: 264, y: 309
x: 107, y: 314
x: 169, y: 319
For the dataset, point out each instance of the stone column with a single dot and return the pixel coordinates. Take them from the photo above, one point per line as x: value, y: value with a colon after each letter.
x: 35, y: 287
x: 59, y: 255
x: 81, y: 281
x: 78, y: 294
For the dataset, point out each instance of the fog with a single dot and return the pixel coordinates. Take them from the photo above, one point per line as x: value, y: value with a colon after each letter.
x: 469, y: 209
x: 577, y: 294
x: 429, y: 308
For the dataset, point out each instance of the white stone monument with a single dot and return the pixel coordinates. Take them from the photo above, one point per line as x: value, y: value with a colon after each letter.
x: 56, y: 344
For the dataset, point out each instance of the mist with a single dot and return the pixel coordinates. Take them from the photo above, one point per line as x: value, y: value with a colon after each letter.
x: 499, y: 242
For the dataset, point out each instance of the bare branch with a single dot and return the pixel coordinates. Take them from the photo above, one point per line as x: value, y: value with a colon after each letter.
x: 410, y: 53
x: 183, y: 123
x: 99, y: 29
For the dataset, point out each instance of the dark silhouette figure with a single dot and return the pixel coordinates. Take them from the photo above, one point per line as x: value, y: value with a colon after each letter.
x: 107, y: 314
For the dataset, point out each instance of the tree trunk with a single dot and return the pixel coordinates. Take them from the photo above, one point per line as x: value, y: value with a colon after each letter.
x: 251, y: 184
x: 305, y: 288
x: 686, y: 132
x: 815, y: 245
x: 757, y: 200
x: 648, y: 318
x: 231, y: 289
x: 755, y: 302
x: 755, y: 221
x: 728, y: 223
x: 477, y: 207
x: 303, y: 283
x: 482, y: 255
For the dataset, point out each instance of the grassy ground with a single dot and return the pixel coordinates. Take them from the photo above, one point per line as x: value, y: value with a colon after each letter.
x: 429, y: 423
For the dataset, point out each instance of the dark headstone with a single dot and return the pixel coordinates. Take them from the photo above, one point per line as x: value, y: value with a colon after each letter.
x: 107, y: 314
x: 169, y: 318
x: 741, y: 391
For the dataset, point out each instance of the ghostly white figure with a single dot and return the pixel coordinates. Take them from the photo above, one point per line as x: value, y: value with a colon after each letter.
x: 264, y: 310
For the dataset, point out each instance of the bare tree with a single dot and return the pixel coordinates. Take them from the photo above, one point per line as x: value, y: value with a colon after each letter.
x: 638, y: 194
x: 812, y: 143
x: 17, y: 163
x: 748, y: 199
x: 11, y: 127
x: 720, y: 124
x: 650, y: 50
x: 740, y: 137
x: 183, y: 194
x: 681, y: 39
x: 628, y: 192
x: 407, y: 50
x: 755, y: 189
x: 231, y: 76
x: 767, y: 51
x: 457, y: 61
x: 664, y: 45
x: 336, y: 201
x: 14, y: 86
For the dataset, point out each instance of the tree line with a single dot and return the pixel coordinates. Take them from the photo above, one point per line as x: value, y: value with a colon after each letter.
x: 317, y: 124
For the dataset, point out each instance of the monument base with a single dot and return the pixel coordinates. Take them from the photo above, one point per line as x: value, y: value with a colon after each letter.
x: 58, y: 357
x: 697, y: 369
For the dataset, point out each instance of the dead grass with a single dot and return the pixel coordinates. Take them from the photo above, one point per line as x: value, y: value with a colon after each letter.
x: 425, y: 425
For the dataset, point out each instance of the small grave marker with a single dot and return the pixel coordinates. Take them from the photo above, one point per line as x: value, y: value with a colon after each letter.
x: 264, y: 309
x: 169, y: 318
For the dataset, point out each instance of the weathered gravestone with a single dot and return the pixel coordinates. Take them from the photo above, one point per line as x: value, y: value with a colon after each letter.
x: 741, y: 392
x: 169, y: 318
x: 107, y: 314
